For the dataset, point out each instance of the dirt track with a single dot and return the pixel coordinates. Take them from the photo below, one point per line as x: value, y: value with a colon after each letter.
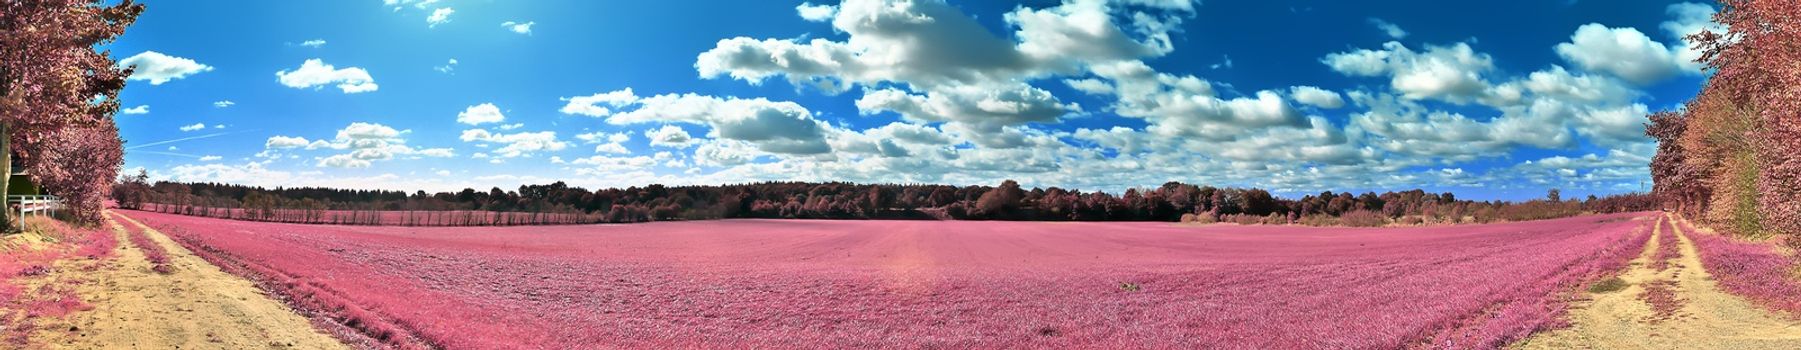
x: 1705, y: 318
x: 195, y: 307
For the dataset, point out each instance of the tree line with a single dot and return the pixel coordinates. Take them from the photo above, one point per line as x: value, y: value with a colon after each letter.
x: 1731, y: 157
x: 1173, y: 201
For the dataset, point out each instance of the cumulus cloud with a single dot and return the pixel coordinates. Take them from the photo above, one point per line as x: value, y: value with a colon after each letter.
x: 607, y: 142
x: 775, y: 126
x: 1622, y: 52
x: 210, y: 158
x: 223, y: 103
x: 158, y: 68
x: 669, y: 136
x: 515, y: 145
x: 481, y: 114
x: 439, y: 16
x: 948, y: 66
x: 315, y: 43
x: 1450, y: 73
x: 315, y: 73
x: 518, y: 27
x: 363, y: 144
x: 285, y: 142
x: 816, y: 13
x: 1688, y: 19
x: 596, y: 105
x: 1317, y: 97
x: 1393, y: 31
x: 1187, y: 106
x: 192, y: 127
x: 140, y: 109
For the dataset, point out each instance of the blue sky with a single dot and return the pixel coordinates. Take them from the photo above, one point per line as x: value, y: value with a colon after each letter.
x: 1491, y: 100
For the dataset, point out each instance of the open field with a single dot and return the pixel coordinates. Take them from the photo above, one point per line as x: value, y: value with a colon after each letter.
x: 764, y: 283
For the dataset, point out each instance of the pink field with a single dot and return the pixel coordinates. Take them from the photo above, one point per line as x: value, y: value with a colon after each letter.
x: 913, y: 284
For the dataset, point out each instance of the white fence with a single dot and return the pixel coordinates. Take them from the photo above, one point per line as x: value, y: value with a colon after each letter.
x: 40, y: 205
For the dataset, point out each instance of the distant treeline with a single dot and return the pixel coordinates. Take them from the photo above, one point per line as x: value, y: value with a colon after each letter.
x: 1173, y: 201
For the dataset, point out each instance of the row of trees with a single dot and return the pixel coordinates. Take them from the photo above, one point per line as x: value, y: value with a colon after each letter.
x: 1732, y: 156
x: 1173, y: 201
x: 58, y: 95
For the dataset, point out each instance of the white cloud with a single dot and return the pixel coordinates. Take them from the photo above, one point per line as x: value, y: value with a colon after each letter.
x: 364, y: 144
x: 223, y: 103
x: 313, y: 43
x: 1622, y: 52
x: 210, y: 158
x: 1393, y: 31
x: 1187, y: 106
x: 285, y: 142
x: 516, y: 27
x: 195, y: 126
x: 816, y: 13
x: 669, y: 136
x: 159, y: 68
x: 515, y: 145
x: 777, y: 127
x: 448, y: 67
x: 140, y: 109
x: 945, y: 65
x: 439, y: 16
x: 315, y: 73
x: 1450, y: 73
x: 595, y: 105
x: 1687, y: 19
x: 613, y: 148
x: 481, y: 114
x: 607, y: 142
x: 1615, y: 125
x: 1317, y: 97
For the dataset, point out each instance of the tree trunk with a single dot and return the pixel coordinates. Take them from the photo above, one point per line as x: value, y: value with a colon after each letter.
x: 6, y: 176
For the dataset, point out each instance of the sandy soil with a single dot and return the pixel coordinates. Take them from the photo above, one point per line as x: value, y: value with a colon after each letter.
x: 1707, y: 317
x: 196, y: 307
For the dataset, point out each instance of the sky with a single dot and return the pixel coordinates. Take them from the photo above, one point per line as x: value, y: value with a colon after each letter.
x: 1491, y: 100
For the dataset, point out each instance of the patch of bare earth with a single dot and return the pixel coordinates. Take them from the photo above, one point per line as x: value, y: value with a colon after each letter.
x: 196, y: 306
x: 1670, y: 302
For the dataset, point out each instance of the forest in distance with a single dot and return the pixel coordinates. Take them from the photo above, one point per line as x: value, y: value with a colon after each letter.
x: 559, y: 203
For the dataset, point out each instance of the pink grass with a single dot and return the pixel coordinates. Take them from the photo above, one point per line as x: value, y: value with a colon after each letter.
x: 912, y: 284
x: 1755, y: 271
x: 22, y: 309
x: 153, y: 253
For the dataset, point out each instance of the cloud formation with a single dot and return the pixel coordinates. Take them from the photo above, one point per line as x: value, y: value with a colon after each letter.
x: 158, y: 68
x: 315, y: 73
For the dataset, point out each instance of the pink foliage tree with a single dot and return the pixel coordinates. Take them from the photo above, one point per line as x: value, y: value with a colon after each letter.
x: 58, y: 95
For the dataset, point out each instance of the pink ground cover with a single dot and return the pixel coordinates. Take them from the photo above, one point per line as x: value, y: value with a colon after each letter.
x: 153, y: 253
x: 21, y: 307
x: 1755, y: 271
x: 913, y: 284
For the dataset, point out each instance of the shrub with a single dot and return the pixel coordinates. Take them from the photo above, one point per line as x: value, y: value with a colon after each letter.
x: 1319, y: 220
x: 1609, y: 285
x: 1363, y: 218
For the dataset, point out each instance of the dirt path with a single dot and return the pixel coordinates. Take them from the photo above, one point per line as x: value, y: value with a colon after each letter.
x: 195, y: 307
x: 1699, y: 316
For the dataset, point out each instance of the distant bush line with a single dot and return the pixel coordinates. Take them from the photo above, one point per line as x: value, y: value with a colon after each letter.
x: 558, y: 203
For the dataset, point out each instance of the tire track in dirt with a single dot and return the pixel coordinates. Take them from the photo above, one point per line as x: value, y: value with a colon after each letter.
x: 1704, y: 317
x: 197, y: 306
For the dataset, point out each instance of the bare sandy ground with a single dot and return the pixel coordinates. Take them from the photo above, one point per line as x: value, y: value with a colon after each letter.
x: 196, y: 307
x: 1708, y: 318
